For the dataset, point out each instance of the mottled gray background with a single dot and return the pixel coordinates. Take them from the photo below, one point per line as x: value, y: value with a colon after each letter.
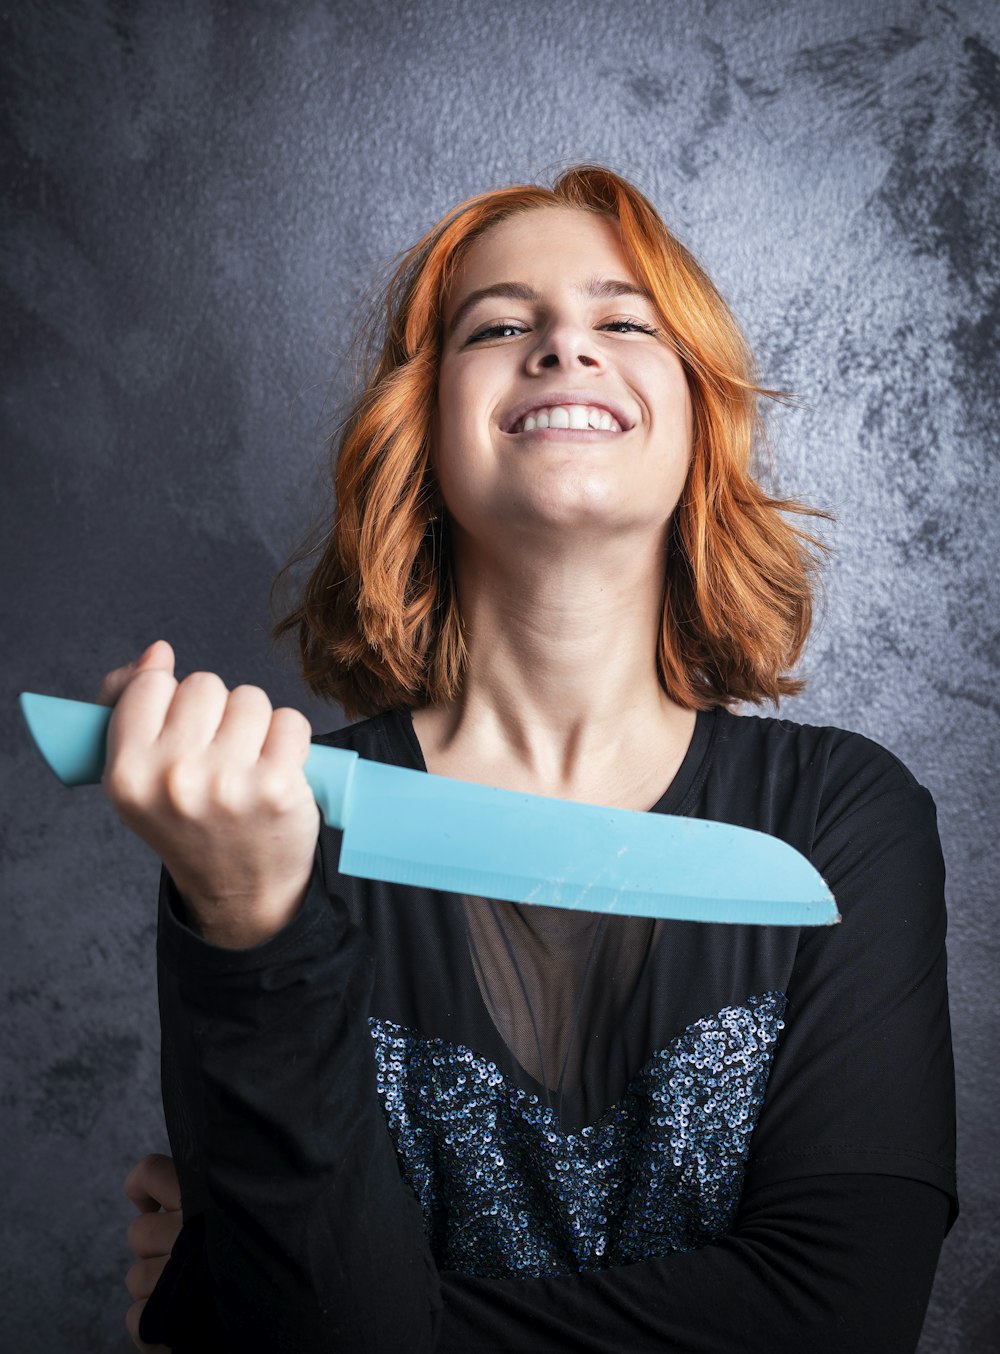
x: 200, y: 193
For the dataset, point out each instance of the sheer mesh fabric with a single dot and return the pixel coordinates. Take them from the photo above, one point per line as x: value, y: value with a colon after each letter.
x: 555, y: 983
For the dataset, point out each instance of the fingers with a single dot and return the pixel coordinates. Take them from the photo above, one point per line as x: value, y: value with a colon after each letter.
x: 289, y: 735
x: 191, y: 720
x: 243, y: 726
x: 185, y: 719
x: 151, y: 1236
x: 144, y: 1275
x: 156, y: 714
x: 159, y: 655
x: 152, y: 1183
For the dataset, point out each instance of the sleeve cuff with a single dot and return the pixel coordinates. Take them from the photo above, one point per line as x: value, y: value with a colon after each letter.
x: 183, y: 949
x: 179, y: 1312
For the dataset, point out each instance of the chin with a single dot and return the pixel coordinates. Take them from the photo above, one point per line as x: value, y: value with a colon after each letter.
x: 587, y: 516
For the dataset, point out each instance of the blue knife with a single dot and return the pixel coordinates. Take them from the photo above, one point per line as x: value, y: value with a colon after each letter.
x: 411, y: 827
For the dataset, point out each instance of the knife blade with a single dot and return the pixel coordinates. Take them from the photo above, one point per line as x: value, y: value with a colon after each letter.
x: 412, y: 827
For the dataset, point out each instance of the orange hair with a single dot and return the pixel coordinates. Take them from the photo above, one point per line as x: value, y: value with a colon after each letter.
x: 378, y: 623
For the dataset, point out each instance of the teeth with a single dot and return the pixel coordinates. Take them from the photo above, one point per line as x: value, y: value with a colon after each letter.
x: 576, y: 416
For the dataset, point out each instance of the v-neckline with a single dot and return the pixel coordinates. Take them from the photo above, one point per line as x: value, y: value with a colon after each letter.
x: 678, y: 797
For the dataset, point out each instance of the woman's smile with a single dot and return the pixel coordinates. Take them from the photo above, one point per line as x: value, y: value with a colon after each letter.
x: 579, y: 411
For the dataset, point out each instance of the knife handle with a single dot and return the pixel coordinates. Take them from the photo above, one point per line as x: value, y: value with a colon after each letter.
x: 72, y: 738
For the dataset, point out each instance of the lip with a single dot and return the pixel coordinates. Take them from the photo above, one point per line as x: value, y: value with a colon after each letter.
x: 544, y: 399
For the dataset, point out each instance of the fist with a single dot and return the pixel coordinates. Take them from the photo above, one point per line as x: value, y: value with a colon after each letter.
x: 212, y: 780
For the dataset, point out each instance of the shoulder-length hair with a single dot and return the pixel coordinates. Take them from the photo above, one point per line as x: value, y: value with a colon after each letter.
x: 378, y: 622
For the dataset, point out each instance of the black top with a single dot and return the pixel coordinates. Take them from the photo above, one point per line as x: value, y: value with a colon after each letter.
x: 421, y: 1121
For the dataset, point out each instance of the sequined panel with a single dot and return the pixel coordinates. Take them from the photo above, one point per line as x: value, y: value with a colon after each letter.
x: 506, y: 1193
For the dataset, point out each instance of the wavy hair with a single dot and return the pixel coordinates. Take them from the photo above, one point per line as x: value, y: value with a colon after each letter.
x: 378, y: 621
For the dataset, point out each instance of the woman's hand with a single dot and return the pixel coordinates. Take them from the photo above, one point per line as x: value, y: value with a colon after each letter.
x: 212, y: 780
x: 151, y: 1185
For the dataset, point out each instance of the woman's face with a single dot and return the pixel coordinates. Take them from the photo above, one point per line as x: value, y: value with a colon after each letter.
x: 567, y: 337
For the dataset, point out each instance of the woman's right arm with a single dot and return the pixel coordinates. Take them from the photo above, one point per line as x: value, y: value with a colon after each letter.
x: 293, y: 1203
x: 297, y: 1220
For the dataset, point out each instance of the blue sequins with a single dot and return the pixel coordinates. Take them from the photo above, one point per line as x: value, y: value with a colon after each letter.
x: 506, y: 1193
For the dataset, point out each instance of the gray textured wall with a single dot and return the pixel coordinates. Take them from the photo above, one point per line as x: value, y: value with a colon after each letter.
x: 198, y: 195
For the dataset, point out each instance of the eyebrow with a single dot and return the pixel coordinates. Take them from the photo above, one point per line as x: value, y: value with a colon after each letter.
x: 597, y: 288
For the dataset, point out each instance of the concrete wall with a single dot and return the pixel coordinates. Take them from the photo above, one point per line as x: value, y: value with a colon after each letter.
x: 199, y: 194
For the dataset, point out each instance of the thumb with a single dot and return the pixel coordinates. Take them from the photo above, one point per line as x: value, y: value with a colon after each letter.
x: 158, y: 655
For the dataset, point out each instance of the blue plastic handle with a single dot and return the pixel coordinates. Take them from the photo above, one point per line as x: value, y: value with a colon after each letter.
x: 72, y: 738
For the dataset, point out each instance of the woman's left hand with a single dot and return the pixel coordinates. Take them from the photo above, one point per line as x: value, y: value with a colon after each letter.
x: 153, y: 1187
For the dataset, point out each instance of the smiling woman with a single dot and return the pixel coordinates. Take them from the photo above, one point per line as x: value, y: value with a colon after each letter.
x: 405, y: 1119
x: 379, y: 621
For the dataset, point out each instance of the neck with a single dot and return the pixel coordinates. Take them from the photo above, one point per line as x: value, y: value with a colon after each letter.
x: 561, y: 684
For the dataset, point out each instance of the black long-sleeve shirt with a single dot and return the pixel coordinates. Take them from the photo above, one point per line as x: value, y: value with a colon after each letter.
x: 415, y: 1121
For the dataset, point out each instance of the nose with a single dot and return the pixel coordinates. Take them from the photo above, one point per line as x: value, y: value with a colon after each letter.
x: 563, y: 345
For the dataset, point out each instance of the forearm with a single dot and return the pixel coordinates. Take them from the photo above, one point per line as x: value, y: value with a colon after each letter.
x: 311, y: 1239
x: 831, y: 1264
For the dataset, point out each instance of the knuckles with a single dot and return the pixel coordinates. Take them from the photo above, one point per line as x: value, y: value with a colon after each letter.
x: 126, y: 784
x: 184, y: 787
x: 275, y: 791
x: 191, y: 787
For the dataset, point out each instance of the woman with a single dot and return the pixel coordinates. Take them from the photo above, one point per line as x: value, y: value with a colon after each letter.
x: 408, y: 1120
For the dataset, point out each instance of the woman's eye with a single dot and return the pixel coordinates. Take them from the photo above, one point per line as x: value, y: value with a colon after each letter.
x: 630, y: 324
x: 504, y: 329
x: 495, y: 331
